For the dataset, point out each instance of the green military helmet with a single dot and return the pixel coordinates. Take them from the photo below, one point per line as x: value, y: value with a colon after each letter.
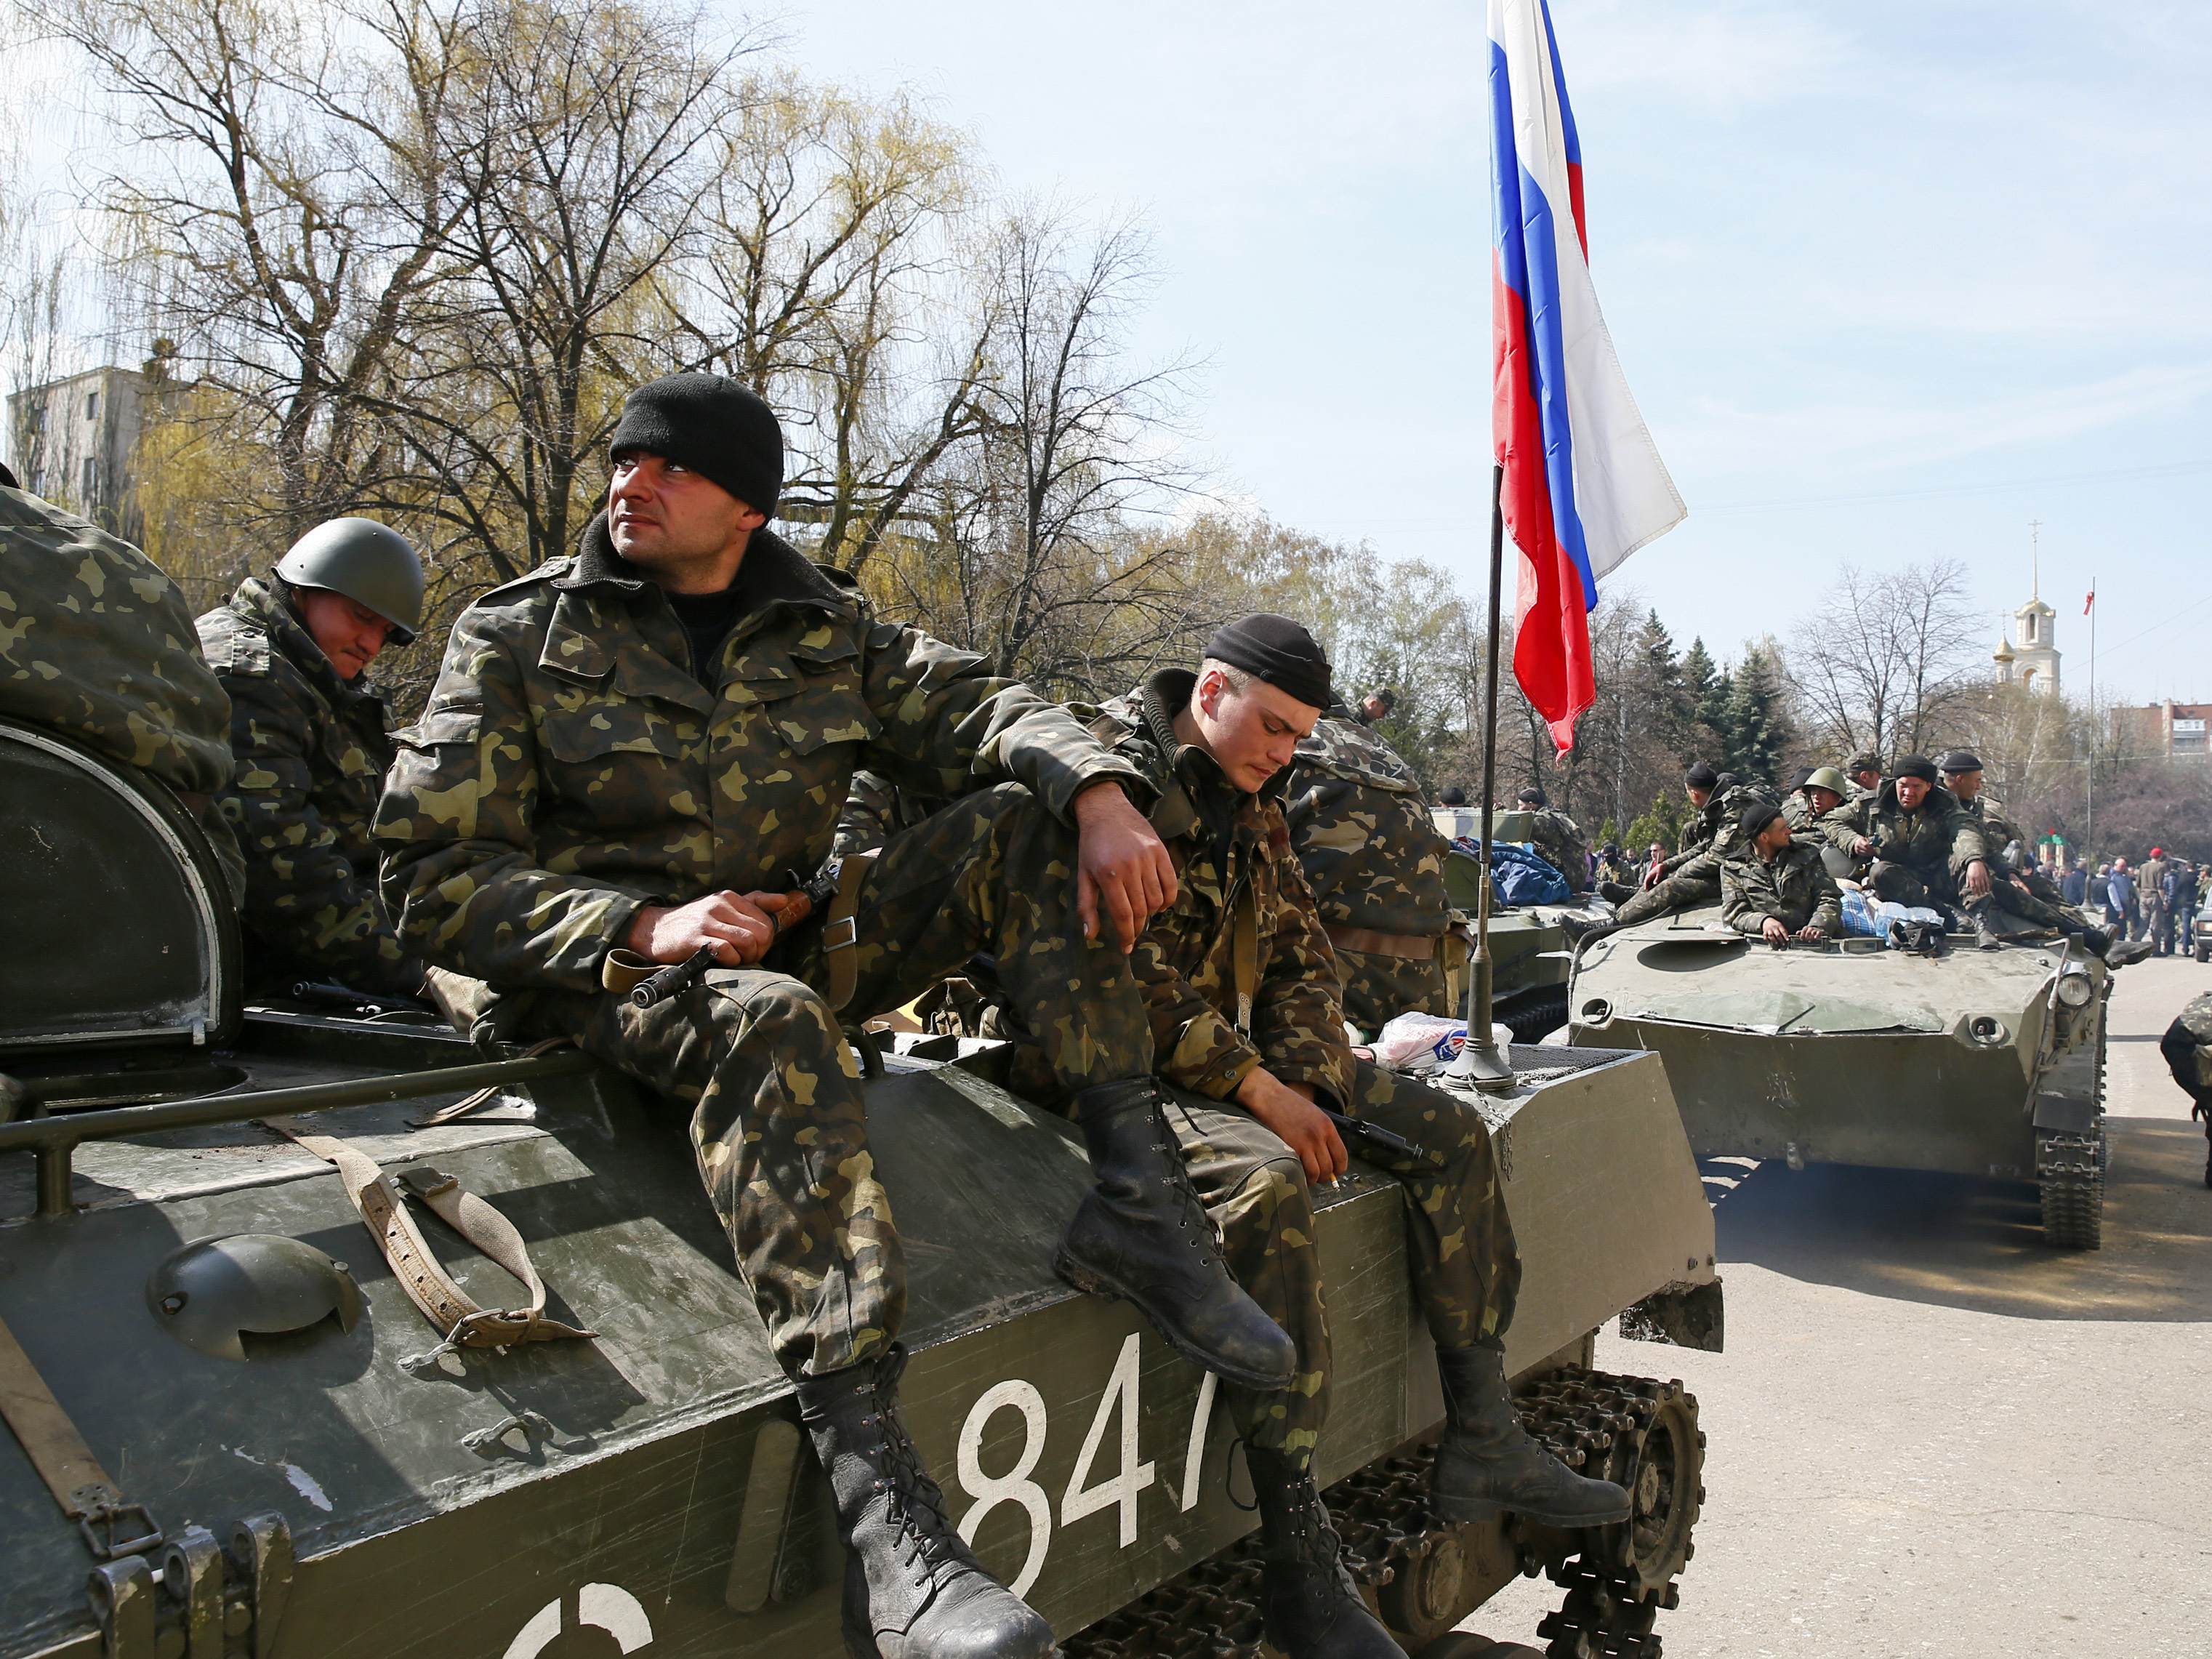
x: 370, y: 564
x: 1827, y: 777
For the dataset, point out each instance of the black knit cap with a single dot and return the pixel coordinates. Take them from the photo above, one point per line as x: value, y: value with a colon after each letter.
x: 1916, y: 766
x: 1278, y: 651
x: 1533, y: 796
x: 713, y: 425
x: 1700, y: 776
x: 1452, y: 796
x: 1962, y: 760
x: 1757, y: 816
x: 1804, y: 777
x: 1727, y: 780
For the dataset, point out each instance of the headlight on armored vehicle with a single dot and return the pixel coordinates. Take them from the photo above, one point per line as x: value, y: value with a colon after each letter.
x: 2075, y: 987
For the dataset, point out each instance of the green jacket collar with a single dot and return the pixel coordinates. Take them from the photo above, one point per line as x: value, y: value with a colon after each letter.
x: 268, y: 605
x: 776, y: 572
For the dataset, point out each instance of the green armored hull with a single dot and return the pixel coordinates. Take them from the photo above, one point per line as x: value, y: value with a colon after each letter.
x: 1981, y: 1063
x: 342, y: 1487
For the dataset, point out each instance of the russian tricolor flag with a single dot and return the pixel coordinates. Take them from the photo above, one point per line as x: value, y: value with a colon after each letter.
x: 1584, y: 484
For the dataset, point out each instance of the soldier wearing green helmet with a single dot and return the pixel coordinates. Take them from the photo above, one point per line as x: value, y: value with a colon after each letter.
x: 308, y: 732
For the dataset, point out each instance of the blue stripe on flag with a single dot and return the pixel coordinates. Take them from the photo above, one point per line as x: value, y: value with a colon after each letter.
x: 1559, y: 88
x: 1529, y: 260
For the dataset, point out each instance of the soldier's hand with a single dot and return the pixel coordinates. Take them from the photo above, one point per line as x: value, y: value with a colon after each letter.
x: 1977, y: 879
x: 1862, y: 848
x: 1286, y: 1110
x: 740, y: 927
x: 1120, y: 858
x: 1773, y: 932
x: 1811, y: 934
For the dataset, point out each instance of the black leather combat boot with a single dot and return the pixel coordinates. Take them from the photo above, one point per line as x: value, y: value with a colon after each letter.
x: 1311, y: 1608
x: 1142, y: 1233
x: 913, y: 1591
x: 1487, y: 1464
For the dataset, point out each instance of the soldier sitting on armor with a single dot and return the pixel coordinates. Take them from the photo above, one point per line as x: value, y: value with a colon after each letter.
x: 2025, y: 891
x: 1558, y: 839
x: 1924, y: 848
x: 1693, y: 875
x: 1865, y: 771
x: 98, y: 646
x: 2187, y: 1045
x: 310, y: 735
x: 1776, y: 886
x: 1375, y: 863
x: 1821, y: 794
x: 1243, y: 998
x: 645, y: 745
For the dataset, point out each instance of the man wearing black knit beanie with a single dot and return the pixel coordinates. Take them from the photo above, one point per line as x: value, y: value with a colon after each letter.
x: 1243, y: 971
x: 626, y: 751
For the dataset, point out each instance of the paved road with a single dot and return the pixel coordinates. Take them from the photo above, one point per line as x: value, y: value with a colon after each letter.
x: 1932, y: 1434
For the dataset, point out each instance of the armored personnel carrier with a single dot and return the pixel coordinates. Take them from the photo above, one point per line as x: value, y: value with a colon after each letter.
x: 235, y: 1432
x: 1528, y: 951
x: 1987, y: 1063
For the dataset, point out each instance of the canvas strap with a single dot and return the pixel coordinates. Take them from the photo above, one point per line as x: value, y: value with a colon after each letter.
x: 456, y: 1315
x: 109, y: 1526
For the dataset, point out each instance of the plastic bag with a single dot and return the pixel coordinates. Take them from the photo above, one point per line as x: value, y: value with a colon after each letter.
x: 1426, y: 1043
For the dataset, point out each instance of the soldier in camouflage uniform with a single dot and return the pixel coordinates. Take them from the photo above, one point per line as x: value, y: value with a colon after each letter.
x: 1248, y: 1030
x: 1692, y: 877
x: 1821, y: 794
x: 1375, y: 864
x: 2025, y: 892
x: 97, y: 644
x: 1558, y: 839
x: 639, y: 748
x: 1864, y: 772
x: 1924, y: 848
x: 310, y: 734
x: 1776, y: 886
x: 2187, y: 1045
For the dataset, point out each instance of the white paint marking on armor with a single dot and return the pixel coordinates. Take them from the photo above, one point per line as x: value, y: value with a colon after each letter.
x: 1194, y: 1456
x: 537, y: 1635
x: 1014, y: 1486
x: 616, y: 1612
x: 1121, y: 1394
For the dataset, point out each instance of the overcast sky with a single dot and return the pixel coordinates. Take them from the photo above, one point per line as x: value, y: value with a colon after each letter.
x: 1890, y: 280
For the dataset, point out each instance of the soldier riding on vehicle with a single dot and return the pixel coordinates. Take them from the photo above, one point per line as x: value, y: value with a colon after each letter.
x: 1558, y: 839
x: 1238, y: 977
x: 1777, y: 887
x: 644, y: 749
x: 309, y: 733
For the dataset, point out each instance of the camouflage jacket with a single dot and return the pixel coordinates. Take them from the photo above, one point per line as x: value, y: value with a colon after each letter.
x: 1799, y: 811
x: 312, y: 750
x: 1936, y: 842
x: 1370, y: 853
x: 876, y: 809
x: 97, y: 644
x: 2000, y: 829
x: 1560, y: 842
x: 1796, y: 890
x: 2187, y: 1047
x: 570, y: 769
x: 1715, y: 834
x: 1235, y: 872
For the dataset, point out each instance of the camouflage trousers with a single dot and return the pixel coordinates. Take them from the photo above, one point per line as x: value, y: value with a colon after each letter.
x: 1680, y: 891
x: 1458, y: 1239
x: 777, y: 1121
x: 1378, y: 987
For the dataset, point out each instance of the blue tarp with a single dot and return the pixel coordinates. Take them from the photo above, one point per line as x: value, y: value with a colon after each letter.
x: 1520, y: 876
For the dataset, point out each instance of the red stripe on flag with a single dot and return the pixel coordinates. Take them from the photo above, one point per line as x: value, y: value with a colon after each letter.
x: 1551, y: 643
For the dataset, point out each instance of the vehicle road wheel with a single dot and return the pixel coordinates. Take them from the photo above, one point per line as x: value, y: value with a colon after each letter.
x: 2203, y: 951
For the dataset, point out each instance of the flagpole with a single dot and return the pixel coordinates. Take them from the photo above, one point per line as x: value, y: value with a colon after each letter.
x: 2089, y: 809
x: 1479, y: 1064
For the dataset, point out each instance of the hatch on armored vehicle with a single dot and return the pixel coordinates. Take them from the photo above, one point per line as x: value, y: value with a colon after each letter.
x: 1985, y: 1063
x: 237, y: 1433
